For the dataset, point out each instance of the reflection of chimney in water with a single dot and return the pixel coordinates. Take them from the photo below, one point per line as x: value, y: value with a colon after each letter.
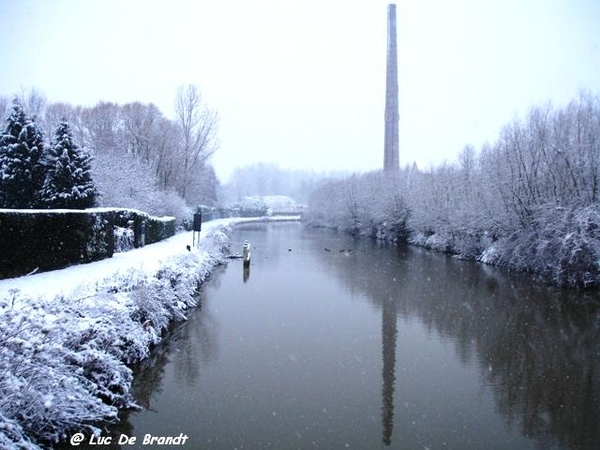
x: 389, y: 332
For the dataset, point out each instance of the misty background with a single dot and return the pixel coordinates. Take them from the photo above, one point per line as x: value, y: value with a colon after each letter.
x: 301, y: 85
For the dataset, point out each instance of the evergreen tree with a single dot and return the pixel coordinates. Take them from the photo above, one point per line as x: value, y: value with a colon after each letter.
x: 68, y: 180
x: 22, y: 168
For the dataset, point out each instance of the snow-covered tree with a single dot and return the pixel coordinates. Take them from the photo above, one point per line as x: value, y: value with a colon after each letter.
x: 198, y: 124
x: 123, y: 180
x: 265, y: 179
x: 69, y: 181
x: 22, y: 169
x: 34, y: 103
x: 141, y: 158
x: 58, y: 112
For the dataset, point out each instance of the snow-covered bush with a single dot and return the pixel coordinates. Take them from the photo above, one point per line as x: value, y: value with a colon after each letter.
x: 124, y: 239
x: 249, y: 207
x: 167, y: 295
x: 49, y: 385
x: 371, y: 205
x: 279, y: 203
x: 216, y: 243
x: 157, y: 228
x: 12, y: 435
x: 564, y: 247
x: 528, y: 201
x: 64, y: 360
x: 169, y: 203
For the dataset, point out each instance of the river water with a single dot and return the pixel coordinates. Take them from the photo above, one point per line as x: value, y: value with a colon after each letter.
x: 332, y: 343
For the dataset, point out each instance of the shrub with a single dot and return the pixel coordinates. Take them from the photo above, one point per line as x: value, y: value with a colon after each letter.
x: 563, y: 247
x: 42, y: 240
x: 47, y: 240
x: 124, y: 238
x: 157, y: 228
x: 249, y: 207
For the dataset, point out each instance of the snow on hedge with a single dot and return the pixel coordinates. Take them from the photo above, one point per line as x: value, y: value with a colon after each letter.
x: 64, y: 356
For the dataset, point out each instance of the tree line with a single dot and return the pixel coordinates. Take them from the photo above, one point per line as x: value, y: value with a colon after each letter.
x: 528, y: 201
x: 34, y: 174
x: 140, y: 158
x: 264, y: 179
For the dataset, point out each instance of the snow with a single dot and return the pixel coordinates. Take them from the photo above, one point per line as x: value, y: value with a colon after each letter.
x: 277, y: 202
x: 83, y: 211
x: 82, y: 279
x: 67, y: 336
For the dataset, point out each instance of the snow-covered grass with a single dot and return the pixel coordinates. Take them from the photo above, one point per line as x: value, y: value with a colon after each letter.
x: 67, y: 336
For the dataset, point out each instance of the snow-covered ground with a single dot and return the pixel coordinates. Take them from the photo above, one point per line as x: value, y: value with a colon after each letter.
x: 83, y: 279
x: 67, y: 336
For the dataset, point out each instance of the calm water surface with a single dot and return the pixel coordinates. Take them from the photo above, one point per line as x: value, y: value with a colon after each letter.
x: 335, y: 343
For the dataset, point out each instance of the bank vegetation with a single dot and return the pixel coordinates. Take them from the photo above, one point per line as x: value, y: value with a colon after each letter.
x: 528, y: 201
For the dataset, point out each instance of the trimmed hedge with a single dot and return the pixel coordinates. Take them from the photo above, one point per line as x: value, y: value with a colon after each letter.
x: 52, y: 239
x: 157, y: 228
x: 42, y: 240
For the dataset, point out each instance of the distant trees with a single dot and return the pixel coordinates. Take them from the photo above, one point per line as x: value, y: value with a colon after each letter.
x: 34, y: 102
x: 551, y: 158
x: 373, y: 204
x: 529, y: 201
x: 264, y: 179
x: 122, y: 139
x: 3, y: 107
x: 144, y: 160
x: 198, y: 126
x: 141, y: 159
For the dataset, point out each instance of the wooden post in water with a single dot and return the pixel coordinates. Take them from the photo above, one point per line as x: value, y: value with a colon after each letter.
x: 246, y: 253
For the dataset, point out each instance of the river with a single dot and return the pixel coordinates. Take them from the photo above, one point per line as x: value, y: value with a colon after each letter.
x: 330, y: 342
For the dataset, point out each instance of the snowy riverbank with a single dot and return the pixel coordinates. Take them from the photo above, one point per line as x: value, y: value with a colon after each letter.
x: 67, y: 336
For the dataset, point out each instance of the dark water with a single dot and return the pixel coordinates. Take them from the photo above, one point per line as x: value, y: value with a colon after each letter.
x: 372, y: 347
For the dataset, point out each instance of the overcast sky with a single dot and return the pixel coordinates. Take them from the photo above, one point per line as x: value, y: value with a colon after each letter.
x: 302, y: 84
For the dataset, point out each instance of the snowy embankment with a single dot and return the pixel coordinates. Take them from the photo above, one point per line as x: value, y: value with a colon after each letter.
x: 67, y: 336
x: 563, y: 247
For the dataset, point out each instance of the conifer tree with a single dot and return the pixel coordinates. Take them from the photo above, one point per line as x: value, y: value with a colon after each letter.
x: 22, y: 163
x: 69, y: 182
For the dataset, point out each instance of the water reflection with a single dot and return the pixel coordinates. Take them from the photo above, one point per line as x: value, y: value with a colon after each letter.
x: 245, y: 272
x: 536, y: 346
x: 389, y: 332
x: 468, y: 357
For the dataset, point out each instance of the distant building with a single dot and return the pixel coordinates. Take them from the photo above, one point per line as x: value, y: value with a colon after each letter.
x: 415, y: 168
x: 391, y: 160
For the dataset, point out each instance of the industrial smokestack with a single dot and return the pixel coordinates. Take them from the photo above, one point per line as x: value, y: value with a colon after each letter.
x: 391, y: 160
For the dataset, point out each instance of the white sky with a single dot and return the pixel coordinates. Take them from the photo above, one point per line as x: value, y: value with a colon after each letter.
x: 301, y: 84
